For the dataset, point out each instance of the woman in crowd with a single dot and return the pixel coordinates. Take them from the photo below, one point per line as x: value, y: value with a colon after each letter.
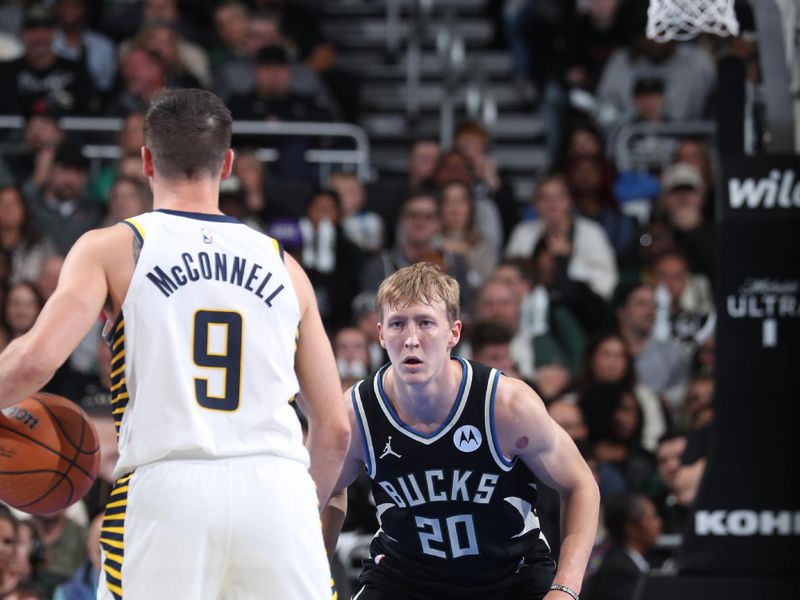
x: 27, y: 249
x: 459, y: 233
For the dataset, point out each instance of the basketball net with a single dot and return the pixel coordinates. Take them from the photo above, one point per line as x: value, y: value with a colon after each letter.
x: 683, y: 19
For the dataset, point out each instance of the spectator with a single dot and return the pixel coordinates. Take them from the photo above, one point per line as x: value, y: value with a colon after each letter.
x: 615, y: 424
x: 273, y: 100
x: 144, y: 75
x: 41, y: 81
x: 59, y: 207
x: 65, y: 541
x: 48, y: 275
x: 422, y: 161
x: 686, y: 70
x: 691, y: 303
x: 21, y: 307
x: 461, y: 235
x: 186, y: 65
x: 129, y: 197
x: 236, y: 75
x: 419, y: 228
x: 557, y: 336
x: 365, y: 315
x: 540, y: 355
x: 591, y: 256
x: 668, y: 460
x: 75, y: 41
x: 350, y: 346
x: 301, y: 25
x: 607, y: 360
x: 41, y: 137
x: 8, y: 543
x: 595, y: 34
x: 129, y: 142
x: 362, y: 227
x: 681, y: 209
x: 661, y: 365
x: 633, y: 527
x: 331, y: 261
x: 230, y: 24
x: 696, y: 152
x: 83, y: 586
x: 490, y: 344
x: 455, y: 166
x: 28, y: 249
x: 29, y: 556
x: 551, y: 271
x: 591, y: 186
x: 472, y: 140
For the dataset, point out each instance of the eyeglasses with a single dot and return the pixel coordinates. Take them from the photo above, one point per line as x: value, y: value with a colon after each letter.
x: 419, y: 214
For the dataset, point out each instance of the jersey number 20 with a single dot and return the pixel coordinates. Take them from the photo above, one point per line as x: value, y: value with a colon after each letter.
x: 431, y: 533
x: 229, y: 360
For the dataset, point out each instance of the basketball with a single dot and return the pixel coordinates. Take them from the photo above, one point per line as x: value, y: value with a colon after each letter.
x: 49, y: 454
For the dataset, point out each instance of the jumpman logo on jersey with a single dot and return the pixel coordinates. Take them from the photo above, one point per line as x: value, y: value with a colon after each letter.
x: 387, y: 449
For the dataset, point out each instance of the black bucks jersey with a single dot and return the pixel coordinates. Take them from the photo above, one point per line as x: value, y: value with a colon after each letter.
x: 455, y: 514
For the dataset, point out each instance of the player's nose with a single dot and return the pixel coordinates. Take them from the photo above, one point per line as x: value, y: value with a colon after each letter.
x: 412, y: 340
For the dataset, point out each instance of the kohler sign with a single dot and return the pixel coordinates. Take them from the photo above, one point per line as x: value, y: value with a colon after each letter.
x: 747, y: 522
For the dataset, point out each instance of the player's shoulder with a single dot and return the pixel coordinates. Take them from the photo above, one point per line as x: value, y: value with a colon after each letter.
x: 517, y: 406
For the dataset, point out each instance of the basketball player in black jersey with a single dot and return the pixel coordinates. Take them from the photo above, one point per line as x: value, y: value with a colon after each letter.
x: 454, y: 450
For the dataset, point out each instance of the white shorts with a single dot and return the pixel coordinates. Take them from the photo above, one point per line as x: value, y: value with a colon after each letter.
x: 229, y: 529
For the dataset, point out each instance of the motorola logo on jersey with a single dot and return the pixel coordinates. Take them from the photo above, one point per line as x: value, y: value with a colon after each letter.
x: 467, y: 438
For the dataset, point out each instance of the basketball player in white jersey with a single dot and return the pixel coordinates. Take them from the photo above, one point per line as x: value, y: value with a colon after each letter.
x: 213, y: 330
x: 464, y: 448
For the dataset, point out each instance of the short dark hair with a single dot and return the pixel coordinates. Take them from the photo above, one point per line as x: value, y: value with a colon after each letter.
x: 619, y: 510
x: 488, y: 333
x: 188, y: 133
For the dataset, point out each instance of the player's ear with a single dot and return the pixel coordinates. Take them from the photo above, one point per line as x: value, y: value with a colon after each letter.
x: 380, y: 336
x: 455, y: 333
x: 227, y: 165
x: 147, y: 162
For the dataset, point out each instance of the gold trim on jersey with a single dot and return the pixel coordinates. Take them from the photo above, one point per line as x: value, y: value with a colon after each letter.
x: 119, y: 385
x: 136, y: 225
x: 112, y: 536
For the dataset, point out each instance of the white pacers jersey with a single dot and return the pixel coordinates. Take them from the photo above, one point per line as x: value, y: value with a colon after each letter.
x: 203, y: 350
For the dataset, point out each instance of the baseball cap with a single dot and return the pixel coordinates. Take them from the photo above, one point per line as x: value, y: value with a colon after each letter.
x: 681, y: 175
x: 38, y: 16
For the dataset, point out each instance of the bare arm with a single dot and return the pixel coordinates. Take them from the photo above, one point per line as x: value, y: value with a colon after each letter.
x: 334, y: 513
x: 328, y: 429
x: 527, y: 431
x: 30, y: 361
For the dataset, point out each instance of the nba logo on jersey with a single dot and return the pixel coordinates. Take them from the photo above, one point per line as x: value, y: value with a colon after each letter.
x: 207, y: 238
x: 467, y: 438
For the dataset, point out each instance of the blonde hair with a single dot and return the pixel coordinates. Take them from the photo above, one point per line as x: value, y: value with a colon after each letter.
x: 422, y: 281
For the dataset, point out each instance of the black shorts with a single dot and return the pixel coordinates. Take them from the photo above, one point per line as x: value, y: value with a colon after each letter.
x: 382, y: 582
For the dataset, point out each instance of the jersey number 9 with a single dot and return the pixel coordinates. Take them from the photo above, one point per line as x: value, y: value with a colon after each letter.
x: 229, y: 360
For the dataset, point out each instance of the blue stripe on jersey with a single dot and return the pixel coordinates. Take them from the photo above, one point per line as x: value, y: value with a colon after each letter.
x: 135, y: 231
x: 449, y: 418
x: 361, y: 428
x: 497, y: 448
x: 200, y: 216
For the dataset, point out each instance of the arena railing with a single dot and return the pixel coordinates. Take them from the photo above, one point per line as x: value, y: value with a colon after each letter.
x: 358, y: 158
x: 640, y: 158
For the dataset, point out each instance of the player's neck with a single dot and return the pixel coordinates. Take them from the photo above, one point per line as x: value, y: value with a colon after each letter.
x: 425, y: 406
x: 189, y: 195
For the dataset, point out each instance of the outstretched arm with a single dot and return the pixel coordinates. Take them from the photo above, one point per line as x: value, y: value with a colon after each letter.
x: 526, y: 430
x: 328, y: 429
x: 334, y: 513
x: 29, y: 361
